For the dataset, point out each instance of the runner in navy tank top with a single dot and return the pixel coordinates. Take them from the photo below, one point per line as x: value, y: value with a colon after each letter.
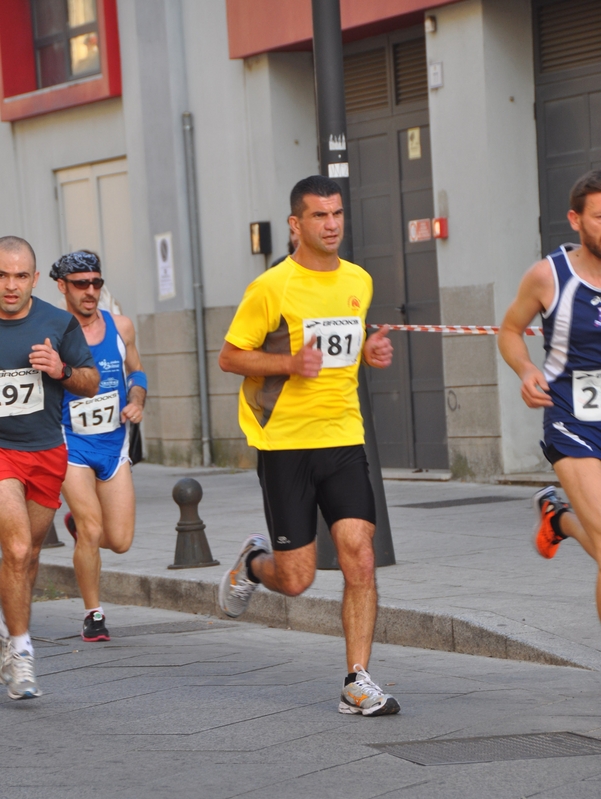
x: 98, y: 487
x: 565, y: 288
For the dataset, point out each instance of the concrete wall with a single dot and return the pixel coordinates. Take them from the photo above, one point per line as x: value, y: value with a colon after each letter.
x: 255, y: 136
x: 485, y: 178
x: 30, y: 151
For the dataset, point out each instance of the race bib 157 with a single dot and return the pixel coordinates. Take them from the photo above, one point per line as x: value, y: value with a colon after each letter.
x: 339, y: 338
x: 21, y: 392
x: 93, y: 415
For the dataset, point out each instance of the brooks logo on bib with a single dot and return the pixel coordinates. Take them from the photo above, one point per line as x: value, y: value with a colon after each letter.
x: 586, y: 395
x: 21, y: 392
x: 339, y: 339
x: 94, y: 415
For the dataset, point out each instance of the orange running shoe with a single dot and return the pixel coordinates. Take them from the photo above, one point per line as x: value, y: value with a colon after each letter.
x: 546, y: 504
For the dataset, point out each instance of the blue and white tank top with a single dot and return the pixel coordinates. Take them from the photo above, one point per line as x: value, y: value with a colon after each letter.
x: 572, y: 331
x: 96, y: 422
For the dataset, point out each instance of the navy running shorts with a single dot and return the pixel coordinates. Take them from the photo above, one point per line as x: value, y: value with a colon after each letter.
x: 570, y: 438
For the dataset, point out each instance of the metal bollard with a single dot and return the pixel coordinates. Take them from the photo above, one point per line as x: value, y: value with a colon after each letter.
x: 51, y: 539
x: 191, y: 548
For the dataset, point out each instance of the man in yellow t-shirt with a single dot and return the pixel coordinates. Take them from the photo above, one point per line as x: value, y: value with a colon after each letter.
x: 298, y: 337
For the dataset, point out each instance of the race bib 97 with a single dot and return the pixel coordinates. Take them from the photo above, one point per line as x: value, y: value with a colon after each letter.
x: 93, y: 415
x: 21, y: 392
x: 586, y: 395
x: 339, y: 339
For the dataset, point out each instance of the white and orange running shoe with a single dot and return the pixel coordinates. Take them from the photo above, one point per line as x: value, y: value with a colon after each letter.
x: 236, y: 587
x: 365, y: 697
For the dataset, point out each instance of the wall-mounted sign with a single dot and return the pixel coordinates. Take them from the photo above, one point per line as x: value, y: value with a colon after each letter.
x: 435, y: 75
x: 414, y: 144
x: 420, y: 230
x: 338, y: 170
x: 164, y: 252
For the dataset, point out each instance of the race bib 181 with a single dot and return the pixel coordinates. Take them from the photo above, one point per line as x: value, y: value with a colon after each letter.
x: 93, y: 415
x: 21, y: 392
x: 586, y: 395
x: 339, y: 338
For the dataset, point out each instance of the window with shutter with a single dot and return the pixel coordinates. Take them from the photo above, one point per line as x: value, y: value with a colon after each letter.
x: 410, y: 71
x: 569, y: 34
x: 366, y: 81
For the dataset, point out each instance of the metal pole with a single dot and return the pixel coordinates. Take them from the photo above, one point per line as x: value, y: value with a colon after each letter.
x: 188, y: 126
x: 333, y: 162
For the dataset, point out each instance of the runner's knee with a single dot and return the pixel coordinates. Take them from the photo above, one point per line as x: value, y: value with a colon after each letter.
x: 292, y: 585
x: 17, y: 555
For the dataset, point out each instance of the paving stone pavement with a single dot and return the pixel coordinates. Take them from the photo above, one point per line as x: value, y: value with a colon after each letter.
x: 466, y: 578
x: 230, y: 709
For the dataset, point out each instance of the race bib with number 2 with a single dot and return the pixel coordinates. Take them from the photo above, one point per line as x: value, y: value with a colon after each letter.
x: 586, y: 395
x: 21, y: 392
x: 339, y: 338
x: 93, y: 415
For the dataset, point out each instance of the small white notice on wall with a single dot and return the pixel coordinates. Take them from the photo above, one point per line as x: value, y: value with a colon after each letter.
x: 165, y: 266
x: 339, y: 170
x: 435, y: 75
x: 414, y: 143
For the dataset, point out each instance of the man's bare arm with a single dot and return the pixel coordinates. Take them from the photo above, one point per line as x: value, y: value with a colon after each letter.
x: 256, y: 363
x: 136, y: 396
x: 534, y: 295
x: 84, y: 381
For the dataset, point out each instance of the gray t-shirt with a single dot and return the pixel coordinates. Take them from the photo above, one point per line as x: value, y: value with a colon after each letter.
x: 30, y: 401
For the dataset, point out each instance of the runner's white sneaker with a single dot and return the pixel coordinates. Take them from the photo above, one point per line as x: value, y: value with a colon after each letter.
x: 365, y: 697
x: 21, y: 682
x: 5, y: 659
x: 236, y: 587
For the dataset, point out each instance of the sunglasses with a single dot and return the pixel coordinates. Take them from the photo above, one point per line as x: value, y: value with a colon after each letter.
x: 96, y: 282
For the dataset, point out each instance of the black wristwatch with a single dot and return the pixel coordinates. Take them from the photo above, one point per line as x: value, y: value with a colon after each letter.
x: 67, y: 372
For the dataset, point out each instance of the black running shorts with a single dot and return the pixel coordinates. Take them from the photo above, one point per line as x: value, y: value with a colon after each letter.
x: 296, y: 481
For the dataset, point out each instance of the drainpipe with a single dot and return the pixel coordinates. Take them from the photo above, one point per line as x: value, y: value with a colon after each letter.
x: 188, y: 128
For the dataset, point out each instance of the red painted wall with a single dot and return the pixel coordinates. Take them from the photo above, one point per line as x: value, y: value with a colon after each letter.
x: 19, y: 97
x: 258, y: 26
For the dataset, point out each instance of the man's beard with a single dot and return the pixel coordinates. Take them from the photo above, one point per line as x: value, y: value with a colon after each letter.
x: 590, y: 243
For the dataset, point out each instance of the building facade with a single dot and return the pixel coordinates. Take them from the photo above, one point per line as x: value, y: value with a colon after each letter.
x: 480, y: 112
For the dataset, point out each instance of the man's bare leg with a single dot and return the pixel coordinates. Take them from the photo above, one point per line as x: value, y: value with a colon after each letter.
x: 289, y: 573
x: 23, y: 526
x: 354, y: 543
x: 581, y: 480
x: 79, y: 489
x: 118, y: 502
x: 104, y: 514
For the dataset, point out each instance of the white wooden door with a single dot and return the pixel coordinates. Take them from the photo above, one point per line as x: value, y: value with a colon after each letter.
x: 95, y: 215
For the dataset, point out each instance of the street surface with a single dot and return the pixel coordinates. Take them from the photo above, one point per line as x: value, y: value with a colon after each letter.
x: 230, y: 709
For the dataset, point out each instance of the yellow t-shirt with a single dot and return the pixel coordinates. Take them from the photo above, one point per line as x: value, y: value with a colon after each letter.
x: 279, y: 312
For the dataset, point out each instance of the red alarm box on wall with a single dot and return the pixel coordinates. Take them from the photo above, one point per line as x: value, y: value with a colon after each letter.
x: 440, y: 228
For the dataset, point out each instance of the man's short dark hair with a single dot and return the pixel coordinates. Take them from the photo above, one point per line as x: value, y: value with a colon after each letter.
x: 316, y: 184
x: 14, y: 244
x: 587, y: 184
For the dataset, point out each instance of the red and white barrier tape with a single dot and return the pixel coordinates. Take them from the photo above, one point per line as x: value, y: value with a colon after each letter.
x: 472, y: 330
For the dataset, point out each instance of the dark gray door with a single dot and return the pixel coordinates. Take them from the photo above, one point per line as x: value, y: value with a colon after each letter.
x: 568, y: 105
x: 388, y: 189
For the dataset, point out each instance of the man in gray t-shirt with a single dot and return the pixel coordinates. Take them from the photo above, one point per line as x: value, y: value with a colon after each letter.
x: 42, y: 349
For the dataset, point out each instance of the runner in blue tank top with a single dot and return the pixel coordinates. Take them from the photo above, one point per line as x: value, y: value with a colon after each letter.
x: 565, y: 288
x: 98, y: 487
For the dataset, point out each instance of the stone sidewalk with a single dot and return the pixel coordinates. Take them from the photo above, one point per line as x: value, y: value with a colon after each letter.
x: 193, y: 707
x: 466, y: 579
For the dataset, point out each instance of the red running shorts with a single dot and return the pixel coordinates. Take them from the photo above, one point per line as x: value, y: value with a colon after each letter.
x: 42, y: 473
